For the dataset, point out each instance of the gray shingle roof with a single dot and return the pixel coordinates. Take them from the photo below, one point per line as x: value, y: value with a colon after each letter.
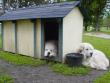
x: 42, y: 11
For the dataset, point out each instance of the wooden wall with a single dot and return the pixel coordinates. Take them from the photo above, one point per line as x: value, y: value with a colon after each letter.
x: 25, y: 37
x: 9, y: 36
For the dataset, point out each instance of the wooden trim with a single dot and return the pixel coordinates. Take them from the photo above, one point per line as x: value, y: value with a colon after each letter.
x: 2, y: 34
x: 42, y: 38
x: 16, y: 46
x: 35, y: 38
x: 34, y: 31
x: 15, y: 28
x: 60, y: 40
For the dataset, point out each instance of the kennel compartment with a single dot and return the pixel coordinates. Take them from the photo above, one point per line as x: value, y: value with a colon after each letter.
x: 74, y: 59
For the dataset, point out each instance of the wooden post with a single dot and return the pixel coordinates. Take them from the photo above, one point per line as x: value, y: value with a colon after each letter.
x: 34, y: 30
x: 15, y: 27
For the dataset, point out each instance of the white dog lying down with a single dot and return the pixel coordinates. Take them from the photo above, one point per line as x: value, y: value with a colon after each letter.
x: 93, y: 58
x: 50, y: 49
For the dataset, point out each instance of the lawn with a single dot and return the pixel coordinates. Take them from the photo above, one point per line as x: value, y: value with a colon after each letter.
x: 0, y: 41
x: 20, y: 60
x: 6, y: 79
x: 65, y: 70
x: 104, y: 30
x: 103, y: 79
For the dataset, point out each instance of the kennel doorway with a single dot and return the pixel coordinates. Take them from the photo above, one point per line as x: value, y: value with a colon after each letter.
x: 51, y: 29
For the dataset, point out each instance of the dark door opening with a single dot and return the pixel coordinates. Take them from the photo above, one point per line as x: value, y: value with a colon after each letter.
x: 51, y: 33
x: 51, y: 30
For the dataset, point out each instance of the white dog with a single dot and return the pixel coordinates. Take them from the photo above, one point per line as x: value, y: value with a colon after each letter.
x: 93, y: 58
x: 50, y: 49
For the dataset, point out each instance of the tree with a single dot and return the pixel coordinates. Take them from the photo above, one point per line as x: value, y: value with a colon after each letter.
x: 97, y: 8
x: 13, y: 4
x: 106, y: 21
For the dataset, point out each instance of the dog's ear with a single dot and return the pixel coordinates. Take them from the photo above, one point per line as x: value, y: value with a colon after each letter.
x: 80, y: 49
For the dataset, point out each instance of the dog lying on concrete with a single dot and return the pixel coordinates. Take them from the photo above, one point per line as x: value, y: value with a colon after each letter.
x: 93, y: 58
x: 50, y: 49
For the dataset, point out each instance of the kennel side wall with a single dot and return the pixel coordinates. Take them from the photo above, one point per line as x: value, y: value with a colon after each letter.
x: 9, y: 36
x: 72, y: 31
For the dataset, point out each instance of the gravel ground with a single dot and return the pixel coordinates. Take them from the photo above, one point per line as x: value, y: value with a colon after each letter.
x: 43, y: 74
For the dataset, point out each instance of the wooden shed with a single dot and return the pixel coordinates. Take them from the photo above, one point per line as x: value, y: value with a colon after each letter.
x: 25, y: 30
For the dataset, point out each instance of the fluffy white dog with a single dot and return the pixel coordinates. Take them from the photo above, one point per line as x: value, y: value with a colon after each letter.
x: 93, y: 58
x: 50, y: 49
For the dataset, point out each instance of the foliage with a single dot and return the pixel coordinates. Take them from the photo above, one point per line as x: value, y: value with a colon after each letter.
x: 64, y: 69
x: 13, y: 4
x: 105, y: 30
x: 20, y: 60
x: 103, y: 79
x: 6, y: 79
x: 99, y: 43
x: 106, y: 21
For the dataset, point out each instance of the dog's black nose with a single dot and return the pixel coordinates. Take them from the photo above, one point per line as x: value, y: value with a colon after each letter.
x: 48, y: 53
x: 91, y: 54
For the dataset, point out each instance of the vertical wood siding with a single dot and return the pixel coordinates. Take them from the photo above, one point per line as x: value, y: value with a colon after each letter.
x: 9, y: 36
x: 25, y: 37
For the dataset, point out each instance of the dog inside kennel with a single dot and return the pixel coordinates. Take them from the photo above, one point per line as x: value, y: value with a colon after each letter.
x: 51, y: 37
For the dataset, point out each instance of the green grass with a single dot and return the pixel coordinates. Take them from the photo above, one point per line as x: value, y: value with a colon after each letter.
x: 65, y: 70
x: 103, y: 79
x: 0, y: 42
x: 20, y: 60
x: 6, y: 79
x: 99, y: 43
x: 104, y: 30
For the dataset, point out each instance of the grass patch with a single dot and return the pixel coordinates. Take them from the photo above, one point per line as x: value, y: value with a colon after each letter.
x: 103, y: 79
x: 6, y: 79
x: 0, y: 41
x: 104, y: 30
x: 65, y: 70
x: 99, y: 43
x: 20, y: 60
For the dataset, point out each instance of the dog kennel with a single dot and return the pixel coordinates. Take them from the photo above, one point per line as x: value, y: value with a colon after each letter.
x: 25, y: 30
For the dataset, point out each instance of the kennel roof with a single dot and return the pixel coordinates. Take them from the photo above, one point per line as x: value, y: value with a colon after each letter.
x: 42, y: 11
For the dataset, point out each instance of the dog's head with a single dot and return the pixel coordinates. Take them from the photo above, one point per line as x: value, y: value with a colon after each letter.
x: 50, y: 49
x: 86, y: 49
